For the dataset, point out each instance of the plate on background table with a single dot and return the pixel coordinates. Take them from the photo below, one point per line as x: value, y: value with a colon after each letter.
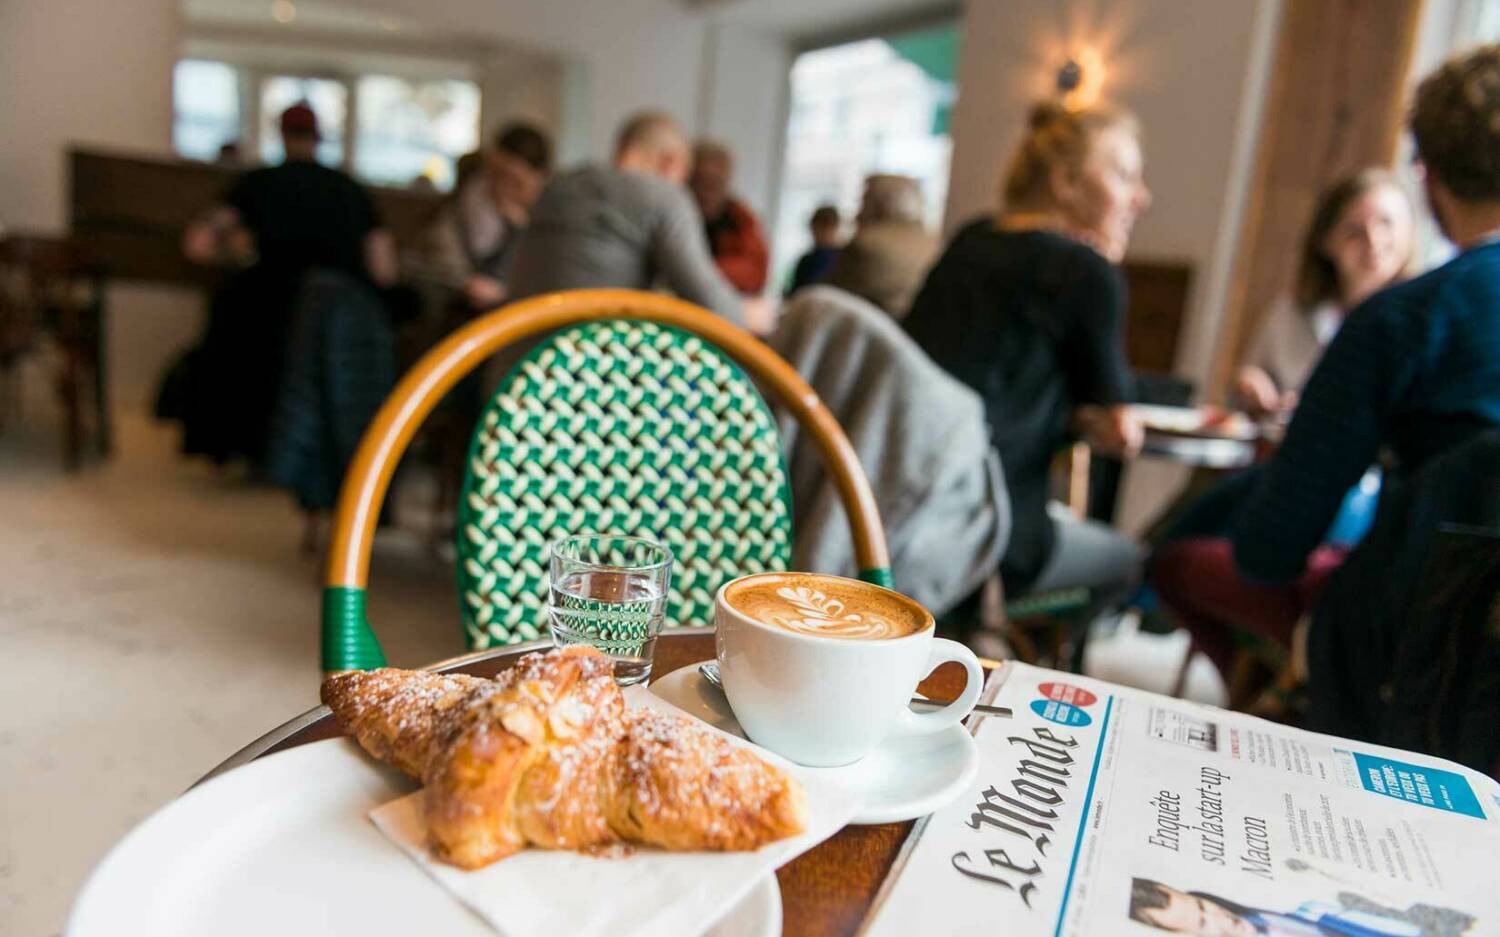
x: 283, y: 846
x: 905, y: 778
x: 1211, y: 422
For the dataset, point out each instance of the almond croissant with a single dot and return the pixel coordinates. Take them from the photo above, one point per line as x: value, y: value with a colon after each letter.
x: 547, y: 754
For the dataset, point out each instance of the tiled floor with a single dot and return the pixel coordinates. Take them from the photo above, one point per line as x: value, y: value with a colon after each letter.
x: 154, y: 617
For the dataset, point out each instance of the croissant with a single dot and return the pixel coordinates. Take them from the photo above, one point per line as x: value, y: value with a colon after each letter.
x: 547, y: 755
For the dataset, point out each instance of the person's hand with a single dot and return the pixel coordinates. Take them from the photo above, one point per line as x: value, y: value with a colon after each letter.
x: 1112, y: 430
x: 760, y: 314
x: 1256, y: 391
x: 483, y: 292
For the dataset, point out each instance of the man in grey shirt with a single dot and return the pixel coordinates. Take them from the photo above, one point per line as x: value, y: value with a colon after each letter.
x: 630, y: 225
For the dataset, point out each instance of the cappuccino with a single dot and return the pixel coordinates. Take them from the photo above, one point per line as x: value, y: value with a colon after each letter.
x: 826, y: 606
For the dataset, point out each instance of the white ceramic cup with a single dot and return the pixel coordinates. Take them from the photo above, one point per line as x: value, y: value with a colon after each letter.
x: 827, y: 701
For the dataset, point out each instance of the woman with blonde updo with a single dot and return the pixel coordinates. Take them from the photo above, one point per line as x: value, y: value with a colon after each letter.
x: 1026, y: 306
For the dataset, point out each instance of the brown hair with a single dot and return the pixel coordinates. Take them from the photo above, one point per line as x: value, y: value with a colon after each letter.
x: 1056, y: 136
x: 1317, y: 277
x: 1146, y: 895
x: 527, y: 143
x: 1455, y: 119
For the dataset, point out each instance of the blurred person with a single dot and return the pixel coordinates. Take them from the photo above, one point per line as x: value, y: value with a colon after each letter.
x: 1201, y: 914
x: 813, y: 265
x: 467, y: 251
x: 1359, y: 242
x: 275, y: 224
x: 630, y: 224
x: 230, y: 155
x: 1027, y: 307
x: 891, y: 250
x: 734, y: 233
x: 1413, y: 373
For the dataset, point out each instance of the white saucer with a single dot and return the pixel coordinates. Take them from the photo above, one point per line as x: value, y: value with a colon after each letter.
x: 905, y: 778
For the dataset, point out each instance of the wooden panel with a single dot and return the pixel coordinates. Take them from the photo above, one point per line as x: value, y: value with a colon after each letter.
x: 129, y: 211
x: 1158, y: 306
x: 1335, y: 106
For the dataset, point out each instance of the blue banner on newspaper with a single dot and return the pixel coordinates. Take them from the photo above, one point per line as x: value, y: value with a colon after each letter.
x: 1430, y: 787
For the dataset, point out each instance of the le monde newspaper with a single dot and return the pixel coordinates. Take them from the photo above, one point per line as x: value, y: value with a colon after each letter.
x: 1101, y: 810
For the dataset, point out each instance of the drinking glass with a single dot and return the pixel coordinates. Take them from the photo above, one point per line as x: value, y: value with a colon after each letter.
x: 610, y: 592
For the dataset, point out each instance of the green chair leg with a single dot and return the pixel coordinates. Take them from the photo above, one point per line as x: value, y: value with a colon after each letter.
x: 348, y: 642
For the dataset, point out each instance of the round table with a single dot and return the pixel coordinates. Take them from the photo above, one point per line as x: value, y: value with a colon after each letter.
x: 825, y: 891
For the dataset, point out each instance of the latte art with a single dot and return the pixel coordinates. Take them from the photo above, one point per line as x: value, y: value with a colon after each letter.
x: 826, y: 606
x: 811, y: 612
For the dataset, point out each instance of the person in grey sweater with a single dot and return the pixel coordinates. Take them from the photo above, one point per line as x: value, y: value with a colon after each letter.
x: 631, y: 224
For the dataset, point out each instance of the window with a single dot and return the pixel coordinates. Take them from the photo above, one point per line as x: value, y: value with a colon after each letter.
x: 327, y: 97
x: 872, y: 106
x: 205, y: 108
x: 385, y: 129
x: 409, y: 129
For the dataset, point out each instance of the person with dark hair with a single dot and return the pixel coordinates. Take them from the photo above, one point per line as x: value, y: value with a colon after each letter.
x: 734, y: 233
x: 1200, y: 914
x: 813, y: 265
x: 276, y: 224
x: 1413, y: 373
x: 630, y: 224
x: 471, y: 243
x: 1027, y: 307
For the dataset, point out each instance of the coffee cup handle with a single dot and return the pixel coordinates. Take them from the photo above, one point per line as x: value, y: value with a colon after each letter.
x: 943, y: 650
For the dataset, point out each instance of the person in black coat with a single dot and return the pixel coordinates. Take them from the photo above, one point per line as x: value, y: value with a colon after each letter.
x: 1027, y: 308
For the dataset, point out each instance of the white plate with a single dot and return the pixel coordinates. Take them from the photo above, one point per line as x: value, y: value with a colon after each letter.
x: 282, y: 846
x: 905, y: 778
x: 1195, y: 421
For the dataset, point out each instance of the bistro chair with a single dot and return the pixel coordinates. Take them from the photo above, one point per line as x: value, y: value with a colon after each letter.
x: 52, y: 300
x: 636, y: 415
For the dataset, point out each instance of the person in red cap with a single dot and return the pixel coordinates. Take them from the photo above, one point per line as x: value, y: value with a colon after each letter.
x: 273, y: 226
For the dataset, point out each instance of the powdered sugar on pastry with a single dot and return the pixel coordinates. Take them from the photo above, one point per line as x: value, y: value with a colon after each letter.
x: 546, y: 754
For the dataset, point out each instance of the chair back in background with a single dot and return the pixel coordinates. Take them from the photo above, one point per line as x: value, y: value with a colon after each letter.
x: 348, y: 641
x: 619, y: 426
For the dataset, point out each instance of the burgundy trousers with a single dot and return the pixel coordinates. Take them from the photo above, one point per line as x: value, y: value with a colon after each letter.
x: 1197, y: 579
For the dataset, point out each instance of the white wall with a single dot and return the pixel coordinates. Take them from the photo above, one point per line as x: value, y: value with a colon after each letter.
x: 746, y: 83
x: 1183, y: 68
x: 1195, y: 74
x: 96, y: 72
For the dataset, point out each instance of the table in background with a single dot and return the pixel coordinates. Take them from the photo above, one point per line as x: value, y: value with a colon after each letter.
x: 826, y: 891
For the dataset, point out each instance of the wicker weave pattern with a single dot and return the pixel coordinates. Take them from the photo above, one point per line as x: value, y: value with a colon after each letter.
x: 618, y: 427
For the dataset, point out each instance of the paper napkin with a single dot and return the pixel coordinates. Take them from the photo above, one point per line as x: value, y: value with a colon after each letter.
x: 649, y: 893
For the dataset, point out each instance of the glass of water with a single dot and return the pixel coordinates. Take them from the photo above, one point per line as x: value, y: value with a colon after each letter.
x: 610, y: 592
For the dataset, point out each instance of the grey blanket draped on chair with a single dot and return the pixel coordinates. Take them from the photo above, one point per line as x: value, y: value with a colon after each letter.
x: 921, y: 437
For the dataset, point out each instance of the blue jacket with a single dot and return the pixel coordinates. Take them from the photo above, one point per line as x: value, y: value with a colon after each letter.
x: 1414, y: 371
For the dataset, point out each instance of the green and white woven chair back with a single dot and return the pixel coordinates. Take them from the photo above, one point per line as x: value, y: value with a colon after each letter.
x: 621, y: 427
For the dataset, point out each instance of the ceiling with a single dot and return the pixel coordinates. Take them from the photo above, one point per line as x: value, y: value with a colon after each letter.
x: 799, y: 20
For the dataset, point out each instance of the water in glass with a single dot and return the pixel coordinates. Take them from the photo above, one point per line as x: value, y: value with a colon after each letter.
x: 618, y: 612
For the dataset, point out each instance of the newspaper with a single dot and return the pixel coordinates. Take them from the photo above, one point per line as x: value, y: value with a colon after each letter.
x: 1102, y: 810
